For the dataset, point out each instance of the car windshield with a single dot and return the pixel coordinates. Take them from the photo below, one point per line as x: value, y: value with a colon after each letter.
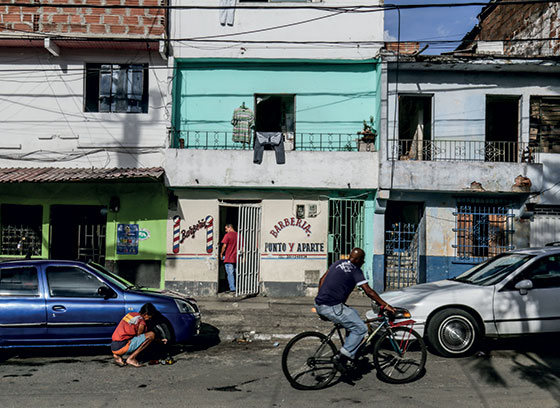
x: 110, y: 276
x: 493, y: 270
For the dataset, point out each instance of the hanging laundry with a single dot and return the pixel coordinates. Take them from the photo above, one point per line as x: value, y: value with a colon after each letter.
x: 274, y: 139
x: 243, y: 122
x: 226, y: 14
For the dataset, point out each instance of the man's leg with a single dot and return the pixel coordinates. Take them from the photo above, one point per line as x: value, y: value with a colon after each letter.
x: 230, y: 271
x: 148, y: 338
x: 351, y: 321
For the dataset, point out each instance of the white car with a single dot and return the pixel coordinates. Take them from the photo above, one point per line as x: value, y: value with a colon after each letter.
x: 514, y: 293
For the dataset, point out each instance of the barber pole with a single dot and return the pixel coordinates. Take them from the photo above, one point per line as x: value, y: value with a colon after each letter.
x: 209, y: 234
x: 176, y: 233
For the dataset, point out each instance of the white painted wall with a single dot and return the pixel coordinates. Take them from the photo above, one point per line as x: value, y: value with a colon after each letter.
x: 303, y: 169
x: 43, y: 122
x: 295, y: 24
x: 458, y: 113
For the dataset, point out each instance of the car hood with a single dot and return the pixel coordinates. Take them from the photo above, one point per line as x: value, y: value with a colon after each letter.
x: 424, y: 298
x: 163, y: 293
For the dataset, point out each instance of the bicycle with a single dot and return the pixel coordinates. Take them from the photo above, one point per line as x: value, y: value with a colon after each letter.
x: 399, y: 353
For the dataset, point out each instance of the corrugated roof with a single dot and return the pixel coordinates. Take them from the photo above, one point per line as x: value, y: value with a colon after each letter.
x: 56, y: 174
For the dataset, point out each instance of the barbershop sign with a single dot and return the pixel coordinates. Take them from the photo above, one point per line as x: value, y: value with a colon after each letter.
x: 293, y: 248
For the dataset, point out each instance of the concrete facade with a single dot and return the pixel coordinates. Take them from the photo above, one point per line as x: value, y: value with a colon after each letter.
x: 45, y: 54
x: 458, y: 91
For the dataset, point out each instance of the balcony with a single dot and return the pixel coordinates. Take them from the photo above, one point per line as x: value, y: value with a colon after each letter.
x: 462, y: 166
x: 313, y: 160
x: 462, y: 150
x: 324, y: 142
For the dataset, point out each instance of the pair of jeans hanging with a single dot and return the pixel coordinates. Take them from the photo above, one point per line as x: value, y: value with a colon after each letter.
x: 226, y: 14
x: 274, y: 139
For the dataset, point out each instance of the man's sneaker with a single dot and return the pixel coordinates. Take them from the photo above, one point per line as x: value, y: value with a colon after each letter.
x: 340, y: 362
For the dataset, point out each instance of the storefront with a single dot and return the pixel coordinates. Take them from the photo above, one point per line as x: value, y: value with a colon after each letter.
x: 285, y: 240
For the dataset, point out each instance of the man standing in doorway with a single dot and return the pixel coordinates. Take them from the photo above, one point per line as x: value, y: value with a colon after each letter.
x: 229, y: 255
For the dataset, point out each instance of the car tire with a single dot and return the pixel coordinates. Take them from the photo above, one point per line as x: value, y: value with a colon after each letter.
x: 453, y: 333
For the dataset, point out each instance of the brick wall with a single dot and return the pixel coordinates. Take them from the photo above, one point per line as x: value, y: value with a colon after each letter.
x: 524, y: 21
x: 404, y: 47
x: 85, y: 21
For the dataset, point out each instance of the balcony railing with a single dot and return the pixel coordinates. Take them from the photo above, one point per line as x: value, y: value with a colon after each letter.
x: 216, y: 140
x: 462, y: 150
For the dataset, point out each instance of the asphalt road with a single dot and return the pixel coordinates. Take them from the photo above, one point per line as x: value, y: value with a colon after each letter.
x: 231, y: 374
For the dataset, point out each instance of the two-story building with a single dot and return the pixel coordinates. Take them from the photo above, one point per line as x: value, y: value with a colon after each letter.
x: 84, y: 121
x: 467, y: 158
x: 270, y: 104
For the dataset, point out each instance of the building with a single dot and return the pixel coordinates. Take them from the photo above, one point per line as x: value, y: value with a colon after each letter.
x: 468, y: 161
x: 306, y: 73
x: 84, y: 130
x: 521, y: 30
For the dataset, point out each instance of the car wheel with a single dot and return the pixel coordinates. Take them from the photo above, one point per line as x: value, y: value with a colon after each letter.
x: 453, y: 333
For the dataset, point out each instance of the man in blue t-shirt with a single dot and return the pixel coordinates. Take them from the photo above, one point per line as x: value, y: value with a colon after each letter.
x: 334, y: 288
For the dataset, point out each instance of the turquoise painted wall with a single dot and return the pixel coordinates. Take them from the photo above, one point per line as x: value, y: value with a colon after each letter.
x: 329, y: 97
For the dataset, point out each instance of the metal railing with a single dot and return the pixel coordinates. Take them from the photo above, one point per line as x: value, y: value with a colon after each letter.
x: 217, y: 140
x: 461, y: 150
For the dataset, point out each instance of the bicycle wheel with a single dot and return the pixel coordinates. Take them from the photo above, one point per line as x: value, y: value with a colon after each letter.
x: 399, y: 355
x: 307, y: 361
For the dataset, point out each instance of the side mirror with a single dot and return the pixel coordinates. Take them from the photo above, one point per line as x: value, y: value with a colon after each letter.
x: 106, y: 292
x: 523, y: 286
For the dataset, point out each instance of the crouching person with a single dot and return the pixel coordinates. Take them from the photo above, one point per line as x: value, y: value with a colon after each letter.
x: 131, y: 337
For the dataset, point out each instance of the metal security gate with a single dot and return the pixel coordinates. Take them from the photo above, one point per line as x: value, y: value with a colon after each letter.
x: 248, y: 256
x: 401, y: 256
x: 346, y: 228
x: 545, y: 227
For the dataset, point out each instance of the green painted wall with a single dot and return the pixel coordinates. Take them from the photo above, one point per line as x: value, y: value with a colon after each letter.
x: 144, y: 204
x: 329, y: 97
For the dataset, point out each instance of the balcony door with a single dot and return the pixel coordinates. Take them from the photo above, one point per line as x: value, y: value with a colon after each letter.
x: 502, y: 128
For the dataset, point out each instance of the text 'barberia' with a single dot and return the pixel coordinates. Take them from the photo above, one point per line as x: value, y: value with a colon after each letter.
x: 290, y: 222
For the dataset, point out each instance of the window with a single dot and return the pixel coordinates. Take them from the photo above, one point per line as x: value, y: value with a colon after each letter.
x: 415, y: 126
x: 275, y: 113
x: 21, y: 227
x: 69, y: 281
x: 482, y: 230
x: 544, y: 273
x: 19, y: 282
x: 545, y: 123
x: 116, y: 88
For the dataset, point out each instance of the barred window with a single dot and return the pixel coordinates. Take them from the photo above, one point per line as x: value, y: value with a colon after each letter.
x: 483, y: 229
x: 21, y: 229
x: 116, y: 88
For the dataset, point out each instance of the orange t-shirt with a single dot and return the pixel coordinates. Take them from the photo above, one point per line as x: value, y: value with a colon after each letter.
x: 130, y: 326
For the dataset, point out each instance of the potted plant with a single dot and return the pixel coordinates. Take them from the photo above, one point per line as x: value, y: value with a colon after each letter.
x: 366, y: 142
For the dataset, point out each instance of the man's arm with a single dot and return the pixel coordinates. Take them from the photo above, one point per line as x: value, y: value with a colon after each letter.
x: 323, y: 279
x: 372, y: 294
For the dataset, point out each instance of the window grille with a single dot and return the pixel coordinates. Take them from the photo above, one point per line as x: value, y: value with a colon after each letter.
x: 346, y: 228
x: 482, y: 230
x: 21, y: 229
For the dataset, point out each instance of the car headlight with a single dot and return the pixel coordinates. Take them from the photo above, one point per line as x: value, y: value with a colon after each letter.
x: 185, y: 307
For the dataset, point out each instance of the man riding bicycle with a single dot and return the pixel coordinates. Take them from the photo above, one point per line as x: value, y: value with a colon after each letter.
x: 334, y: 288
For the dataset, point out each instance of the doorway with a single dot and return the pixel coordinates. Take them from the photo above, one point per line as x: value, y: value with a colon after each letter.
x: 502, y: 128
x: 403, y: 244
x: 245, y: 217
x: 77, y: 232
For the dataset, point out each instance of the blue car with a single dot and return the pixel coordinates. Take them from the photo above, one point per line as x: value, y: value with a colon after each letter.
x: 62, y: 303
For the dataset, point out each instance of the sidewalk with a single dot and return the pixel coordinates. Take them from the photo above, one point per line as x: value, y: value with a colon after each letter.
x: 267, y: 319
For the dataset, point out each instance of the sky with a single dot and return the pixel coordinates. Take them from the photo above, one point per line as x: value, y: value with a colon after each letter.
x: 431, y: 24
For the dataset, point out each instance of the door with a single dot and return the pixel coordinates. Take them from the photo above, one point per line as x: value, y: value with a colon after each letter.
x: 536, y: 311
x: 22, y: 306
x: 76, y: 312
x: 248, y: 255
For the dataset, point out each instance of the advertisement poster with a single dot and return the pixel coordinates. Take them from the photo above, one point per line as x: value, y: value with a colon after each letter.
x: 127, y: 239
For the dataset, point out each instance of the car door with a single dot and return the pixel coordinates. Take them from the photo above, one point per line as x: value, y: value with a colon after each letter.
x: 22, y: 305
x: 535, y: 311
x: 76, y: 312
